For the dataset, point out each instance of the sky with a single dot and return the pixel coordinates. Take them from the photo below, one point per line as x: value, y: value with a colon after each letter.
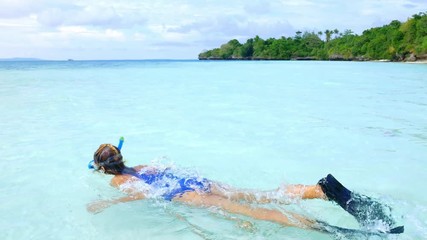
x: 175, y: 29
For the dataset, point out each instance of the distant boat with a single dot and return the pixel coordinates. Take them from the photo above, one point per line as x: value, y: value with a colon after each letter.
x: 70, y: 60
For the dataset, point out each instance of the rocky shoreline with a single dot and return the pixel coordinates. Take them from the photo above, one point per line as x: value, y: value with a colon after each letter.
x: 411, y: 59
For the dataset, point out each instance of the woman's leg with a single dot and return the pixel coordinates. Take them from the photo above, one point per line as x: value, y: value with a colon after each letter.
x: 209, y: 200
x: 288, y: 191
x: 305, y: 191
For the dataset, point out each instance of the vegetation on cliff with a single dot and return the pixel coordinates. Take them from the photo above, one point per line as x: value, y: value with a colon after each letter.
x: 397, y: 41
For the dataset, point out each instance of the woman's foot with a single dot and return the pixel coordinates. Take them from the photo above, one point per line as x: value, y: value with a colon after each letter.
x: 366, y: 210
x: 302, y: 191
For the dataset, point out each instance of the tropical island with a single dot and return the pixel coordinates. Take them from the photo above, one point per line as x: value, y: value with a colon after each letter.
x: 397, y: 41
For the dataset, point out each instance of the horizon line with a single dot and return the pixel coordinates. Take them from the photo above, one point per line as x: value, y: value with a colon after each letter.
x: 80, y: 60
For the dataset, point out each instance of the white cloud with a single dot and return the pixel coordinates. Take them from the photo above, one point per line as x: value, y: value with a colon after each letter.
x: 113, y: 34
x: 79, y: 32
x: 139, y: 36
x: 90, y: 16
x: 299, y: 3
x: 17, y: 24
x: 24, y: 8
x: 258, y: 7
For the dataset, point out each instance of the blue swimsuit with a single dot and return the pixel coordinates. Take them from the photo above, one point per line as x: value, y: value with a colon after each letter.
x: 176, y: 186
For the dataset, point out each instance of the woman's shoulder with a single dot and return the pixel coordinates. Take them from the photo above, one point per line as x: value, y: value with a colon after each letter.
x: 120, y: 179
x: 139, y: 167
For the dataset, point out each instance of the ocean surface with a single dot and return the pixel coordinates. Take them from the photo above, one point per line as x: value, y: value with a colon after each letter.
x: 253, y: 125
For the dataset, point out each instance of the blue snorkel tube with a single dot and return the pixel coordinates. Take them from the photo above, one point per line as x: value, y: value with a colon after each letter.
x: 122, y: 139
x: 90, y: 164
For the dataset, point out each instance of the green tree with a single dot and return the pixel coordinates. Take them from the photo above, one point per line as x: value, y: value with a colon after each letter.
x: 247, y: 49
x: 258, y: 47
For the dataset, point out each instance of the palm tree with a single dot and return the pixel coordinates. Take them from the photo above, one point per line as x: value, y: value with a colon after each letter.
x: 336, y: 32
x: 328, y: 34
x: 348, y: 32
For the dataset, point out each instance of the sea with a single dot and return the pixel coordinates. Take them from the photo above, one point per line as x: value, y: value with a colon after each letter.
x: 253, y: 125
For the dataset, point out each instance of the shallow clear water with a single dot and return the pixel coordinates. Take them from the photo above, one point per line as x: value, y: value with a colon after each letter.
x: 249, y: 124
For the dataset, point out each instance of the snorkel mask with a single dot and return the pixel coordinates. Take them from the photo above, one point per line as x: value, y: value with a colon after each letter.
x: 91, y: 163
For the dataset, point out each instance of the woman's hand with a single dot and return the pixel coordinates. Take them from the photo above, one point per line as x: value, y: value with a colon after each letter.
x: 98, y: 206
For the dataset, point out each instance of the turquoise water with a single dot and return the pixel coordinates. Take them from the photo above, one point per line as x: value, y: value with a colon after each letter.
x: 249, y: 124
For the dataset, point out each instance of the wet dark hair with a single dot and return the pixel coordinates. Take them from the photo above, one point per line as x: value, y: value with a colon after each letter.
x: 109, y: 159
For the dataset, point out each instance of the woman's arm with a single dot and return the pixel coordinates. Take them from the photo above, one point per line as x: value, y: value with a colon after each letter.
x: 117, y: 181
x: 99, y: 206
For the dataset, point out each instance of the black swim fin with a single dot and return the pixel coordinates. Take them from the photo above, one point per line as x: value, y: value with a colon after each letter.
x: 397, y: 230
x: 366, y: 210
x: 325, y: 227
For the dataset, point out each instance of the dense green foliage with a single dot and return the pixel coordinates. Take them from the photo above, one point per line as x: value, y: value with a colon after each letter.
x: 396, y: 42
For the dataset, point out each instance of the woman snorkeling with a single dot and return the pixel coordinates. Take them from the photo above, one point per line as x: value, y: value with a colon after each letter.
x: 201, y: 192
